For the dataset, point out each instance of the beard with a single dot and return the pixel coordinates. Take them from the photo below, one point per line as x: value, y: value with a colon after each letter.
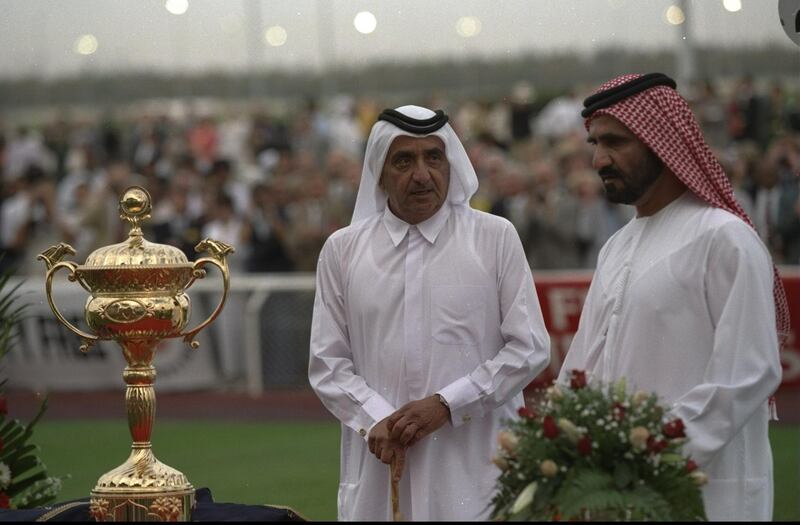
x: 627, y: 188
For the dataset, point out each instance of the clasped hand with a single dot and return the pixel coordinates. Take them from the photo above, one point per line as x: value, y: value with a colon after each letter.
x: 390, y: 438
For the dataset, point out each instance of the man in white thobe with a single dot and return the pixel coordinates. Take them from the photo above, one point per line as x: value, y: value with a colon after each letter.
x: 426, y: 328
x: 684, y: 298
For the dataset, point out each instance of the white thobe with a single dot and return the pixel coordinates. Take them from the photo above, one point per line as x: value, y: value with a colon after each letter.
x: 403, y: 312
x: 681, y: 304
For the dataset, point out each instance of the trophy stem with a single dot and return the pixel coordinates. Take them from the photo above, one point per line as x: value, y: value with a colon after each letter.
x: 140, y: 396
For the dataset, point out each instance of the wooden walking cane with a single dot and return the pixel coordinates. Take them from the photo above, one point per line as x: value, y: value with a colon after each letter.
x: 396, y: 515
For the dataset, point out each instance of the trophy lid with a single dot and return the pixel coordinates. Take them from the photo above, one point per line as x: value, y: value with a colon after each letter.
x: 135, y: 206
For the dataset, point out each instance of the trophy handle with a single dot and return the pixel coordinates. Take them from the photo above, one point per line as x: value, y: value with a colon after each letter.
x: 219, y: 251
x: 88, y: 339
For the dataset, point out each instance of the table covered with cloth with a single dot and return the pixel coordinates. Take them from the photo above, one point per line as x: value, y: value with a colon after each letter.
x: 205, y: 510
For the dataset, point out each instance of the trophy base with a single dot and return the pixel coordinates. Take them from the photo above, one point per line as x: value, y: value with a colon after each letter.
x: 142, y: 489
x: 138, y: 506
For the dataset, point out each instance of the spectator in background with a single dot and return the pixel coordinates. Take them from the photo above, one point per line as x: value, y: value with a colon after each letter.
x: 597, y: 219
x: 522, y: 111
x: 345, y: 132
x: 203, y: 142
x: 552, y: 237
x: 310, y: 222
x: 30, y: 220
x: 342, y: 173
x: 221, y: 176
x: 710, y: 111
x: 766, y: 205
x: 226, y: 225
x: 269, y: 229
x: 174, y: 223
x: 560, y: 117
x: 292, y: 145
x: 783, y: 158
x: 100, y: 219
x: 748, y: 114
x: 23, y: 150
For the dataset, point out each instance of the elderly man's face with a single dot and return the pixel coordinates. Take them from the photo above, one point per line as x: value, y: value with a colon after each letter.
x: 415, y: 177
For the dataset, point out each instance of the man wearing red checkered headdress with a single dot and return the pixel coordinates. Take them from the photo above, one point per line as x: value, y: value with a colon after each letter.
x: 685, y: 300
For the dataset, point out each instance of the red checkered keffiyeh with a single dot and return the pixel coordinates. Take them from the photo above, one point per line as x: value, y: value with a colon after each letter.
x: 662, y: 119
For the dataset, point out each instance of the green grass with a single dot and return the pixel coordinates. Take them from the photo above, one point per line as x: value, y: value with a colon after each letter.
x: 293, y: 464
x: 786, y: 458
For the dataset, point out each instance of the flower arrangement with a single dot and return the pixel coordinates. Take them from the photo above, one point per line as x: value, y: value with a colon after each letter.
x: 596, y: 453
x: 24, y: 482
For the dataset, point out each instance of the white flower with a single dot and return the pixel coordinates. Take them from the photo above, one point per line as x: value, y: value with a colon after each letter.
x: 699, y: 478
x: 525, y: 498
x: 569, y: 428
x: 554, y: 393
x: 5, y: 476
x: 638, y: 437
x: 500, y: 462
x: 508, y: 441
x: 640, y: 397
x: 548, y: 468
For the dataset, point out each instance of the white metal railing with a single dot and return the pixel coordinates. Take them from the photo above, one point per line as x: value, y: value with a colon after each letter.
x: 47, y: 361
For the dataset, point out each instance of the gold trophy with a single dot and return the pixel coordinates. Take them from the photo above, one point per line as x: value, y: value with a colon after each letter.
x: 137, y: 299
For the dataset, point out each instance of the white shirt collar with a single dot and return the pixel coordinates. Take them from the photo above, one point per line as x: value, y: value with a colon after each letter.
x: 429, y: 228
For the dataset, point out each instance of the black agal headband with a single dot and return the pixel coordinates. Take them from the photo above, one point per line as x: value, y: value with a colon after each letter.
x: 414, y: 125
x: 611, y: 96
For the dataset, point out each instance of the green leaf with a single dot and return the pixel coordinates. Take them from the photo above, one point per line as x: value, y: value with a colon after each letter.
x: 19, y: 466
x: 38, y: 494
x: 524, y: 499
x: 649, y: 504
x: 11, y: 457
x: 585, y: 489
x: 42, y: 410
x: 672, y: 459
x: 18, y: 486
x: 623, y: 475
x: 619, y: 389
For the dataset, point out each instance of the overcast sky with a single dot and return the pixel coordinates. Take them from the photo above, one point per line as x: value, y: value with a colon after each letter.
x: 43, y: 37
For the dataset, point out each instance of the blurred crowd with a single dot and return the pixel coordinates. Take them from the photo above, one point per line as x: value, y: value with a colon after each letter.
x: 276, y: 183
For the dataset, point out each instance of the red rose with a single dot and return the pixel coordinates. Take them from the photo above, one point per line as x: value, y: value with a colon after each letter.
x: 585, y: 446
x: 654, y: 446
x: 5, y: 503
x: 674, y: 429
x: 526, y: 413
x: 691, y: 466
x: 618, y: 412
x: 578, y: 380
x: 549, y: 428
x: 3, y: 406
